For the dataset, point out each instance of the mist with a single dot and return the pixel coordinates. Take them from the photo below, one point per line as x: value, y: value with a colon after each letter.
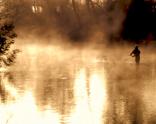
x: 75, y: 65
x: 71, y: 20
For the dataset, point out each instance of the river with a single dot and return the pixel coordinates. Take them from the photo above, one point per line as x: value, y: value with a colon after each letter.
x: 56, y: 85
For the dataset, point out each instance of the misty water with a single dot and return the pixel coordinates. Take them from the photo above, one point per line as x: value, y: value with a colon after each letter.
x: 56, y: 85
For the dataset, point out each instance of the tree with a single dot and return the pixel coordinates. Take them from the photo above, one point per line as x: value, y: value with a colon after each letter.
x: 7, y: 35
x: 76, y: 12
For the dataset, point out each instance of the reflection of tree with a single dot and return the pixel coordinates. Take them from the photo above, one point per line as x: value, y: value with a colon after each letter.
x: 2, y: 90
x: 126, y: 94
x: 10, y: 89
x: 55, y: 89
x: 66, y: 86
x: 4, y: 93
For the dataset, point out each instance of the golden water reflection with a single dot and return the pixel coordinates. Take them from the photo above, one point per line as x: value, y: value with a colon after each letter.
x: 73, y: 87
x: 79, y: 99
x: 25, y: 111
x: 90, y: 97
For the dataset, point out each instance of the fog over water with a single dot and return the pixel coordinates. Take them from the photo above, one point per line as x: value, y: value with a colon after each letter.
x: 58, y: 84
x: 79, y: 78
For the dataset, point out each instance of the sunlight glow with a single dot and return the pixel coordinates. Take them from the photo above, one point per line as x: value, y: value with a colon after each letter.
x: 89, y: 94
x: 90, y: 98
x: 32, y: 49
x: 84, y: 1
x: 81, y: 114
x: 37, y: 9
x: 26, y: 112
x: 98, y: 96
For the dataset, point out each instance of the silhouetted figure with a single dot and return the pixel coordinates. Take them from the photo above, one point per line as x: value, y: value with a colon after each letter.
x: 136, y: 53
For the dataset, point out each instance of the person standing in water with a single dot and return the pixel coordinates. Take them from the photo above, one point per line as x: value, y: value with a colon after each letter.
x: 136, y: 53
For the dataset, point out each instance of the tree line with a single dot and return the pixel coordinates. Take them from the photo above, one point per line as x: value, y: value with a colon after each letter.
x: 79, y: 19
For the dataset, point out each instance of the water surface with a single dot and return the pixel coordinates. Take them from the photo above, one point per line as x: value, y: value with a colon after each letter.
x: 52, y: 85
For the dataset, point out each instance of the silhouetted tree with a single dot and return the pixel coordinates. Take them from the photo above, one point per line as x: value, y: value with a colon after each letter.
x: 7, y: 34
x: 139, y: 24
x: 76, y: 12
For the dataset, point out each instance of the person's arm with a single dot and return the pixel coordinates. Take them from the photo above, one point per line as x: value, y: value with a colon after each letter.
x: 132, y: 53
